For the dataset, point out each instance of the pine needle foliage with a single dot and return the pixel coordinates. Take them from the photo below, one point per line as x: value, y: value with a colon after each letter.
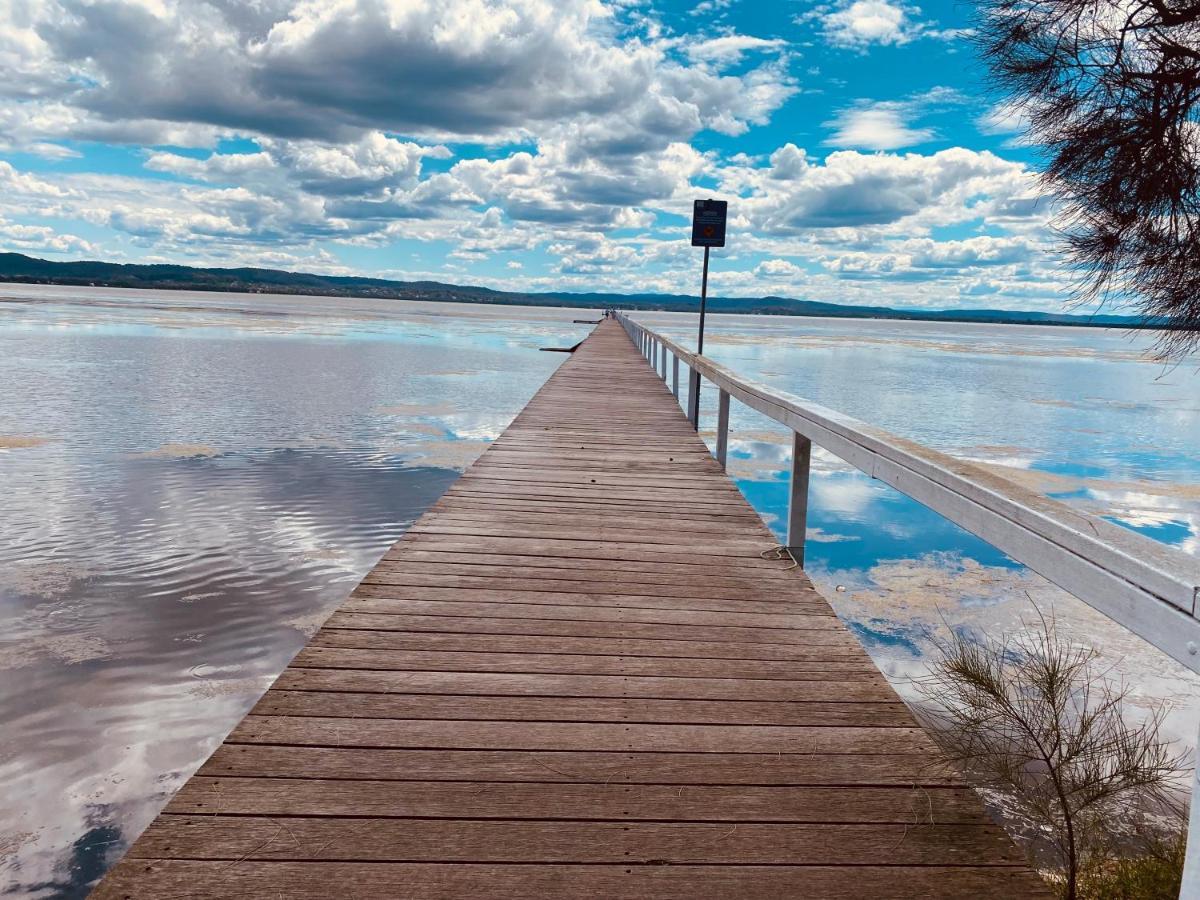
x: 1110, y: 89
x: 1030, y: 718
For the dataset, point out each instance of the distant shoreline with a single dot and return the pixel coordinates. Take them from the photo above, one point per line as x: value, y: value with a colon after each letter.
x: 17, y: 268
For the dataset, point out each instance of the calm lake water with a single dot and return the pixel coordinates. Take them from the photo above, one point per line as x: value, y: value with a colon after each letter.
x: 193, y: 481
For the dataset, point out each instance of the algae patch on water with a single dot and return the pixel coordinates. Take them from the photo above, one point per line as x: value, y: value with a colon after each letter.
x: 21, y: 441
x: 51, y: 631
x: 416, y: 409
x: 445, y: 454
x: 180, y: 451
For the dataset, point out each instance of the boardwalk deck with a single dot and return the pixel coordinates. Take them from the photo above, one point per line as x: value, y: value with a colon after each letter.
x: 575, y: 676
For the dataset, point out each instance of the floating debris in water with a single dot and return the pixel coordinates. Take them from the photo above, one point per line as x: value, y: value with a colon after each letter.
x: 179, y: 451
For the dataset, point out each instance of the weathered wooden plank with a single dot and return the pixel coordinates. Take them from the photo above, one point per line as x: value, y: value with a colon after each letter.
x: 580, y: 802
x: 595, y: 549
x: 580, y: 709
x: 581, y: 628
x: 462, y: 517
x: 199, y: 880
x: 853, y: 688
x: 731, y: 584
x: 386, y: 585
x: 671, y: 573
x: 538, y: 605
x: 694, y: 553
x: 833, y: 645
x: 283, y: 761
x: 385, y: 840
x: 629, y: 738
x: 610, y: 586
x: 403, y: 553
x: 315, y: 657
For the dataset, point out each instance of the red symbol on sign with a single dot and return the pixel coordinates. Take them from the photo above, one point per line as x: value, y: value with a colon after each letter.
x: 709, y: 231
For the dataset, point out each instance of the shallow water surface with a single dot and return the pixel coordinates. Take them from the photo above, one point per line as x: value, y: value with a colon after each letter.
x: 190, y: 486
x: 193, y: 481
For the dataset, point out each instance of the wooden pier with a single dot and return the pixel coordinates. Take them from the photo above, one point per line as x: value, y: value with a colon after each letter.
x: 576, y: 676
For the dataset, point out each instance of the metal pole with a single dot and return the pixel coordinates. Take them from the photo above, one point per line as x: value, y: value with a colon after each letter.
x: 694, y: 381
x: 798, y: 501
x: 703, y: 303
x: 694, y: 397
x: 722, y: 427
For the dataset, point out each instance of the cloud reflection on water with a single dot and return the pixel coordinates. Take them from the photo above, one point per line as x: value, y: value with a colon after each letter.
x: 210, y: 494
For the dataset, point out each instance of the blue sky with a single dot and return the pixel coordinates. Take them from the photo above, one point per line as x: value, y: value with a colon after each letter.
x: 526, y: 144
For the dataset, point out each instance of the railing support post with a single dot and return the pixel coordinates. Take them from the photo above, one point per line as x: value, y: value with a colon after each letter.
x: 1190, y: 885
x: 694, y: 397
x: 722, y: 427
x: 663, y: 361
x: 675, y: 376
x: 798, y: 496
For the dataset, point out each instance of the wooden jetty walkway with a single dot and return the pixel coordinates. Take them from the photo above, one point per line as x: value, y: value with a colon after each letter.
x: 575, y: 676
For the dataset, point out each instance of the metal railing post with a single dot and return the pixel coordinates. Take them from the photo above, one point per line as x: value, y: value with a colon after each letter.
x: 664, y: 364
x: 798, y: 496
x: 1189, y: 887
x: 722, y: 427
x: 675, y: 376
x: 694, y: 397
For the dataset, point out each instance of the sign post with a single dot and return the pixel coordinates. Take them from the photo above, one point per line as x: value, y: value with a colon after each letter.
x: 708, y: 231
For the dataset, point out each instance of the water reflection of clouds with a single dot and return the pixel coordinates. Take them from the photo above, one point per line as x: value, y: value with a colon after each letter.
x: 899, y: 607
x: 215, y: 484
x: 844, y: 494
x: 120, y: 675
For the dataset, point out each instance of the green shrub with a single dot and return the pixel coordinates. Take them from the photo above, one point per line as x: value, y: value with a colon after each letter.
x: 1154, y: 874
x: 1030, y: 719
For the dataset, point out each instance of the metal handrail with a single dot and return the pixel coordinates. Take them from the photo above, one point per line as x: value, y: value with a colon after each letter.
x: 1145, y: 586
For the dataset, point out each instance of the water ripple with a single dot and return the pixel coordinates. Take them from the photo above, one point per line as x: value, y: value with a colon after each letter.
x: 189, y: 504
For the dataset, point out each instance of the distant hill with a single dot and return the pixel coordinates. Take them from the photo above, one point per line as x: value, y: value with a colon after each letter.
x: 16, y: 267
